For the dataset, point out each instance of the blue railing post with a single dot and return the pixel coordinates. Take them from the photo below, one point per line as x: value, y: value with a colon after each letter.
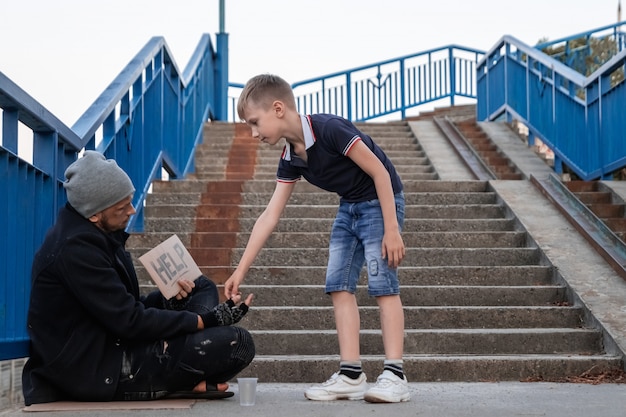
x: 221, y: 77
x: 402, y: 89
x: 451, y: 65
x: 10, y: 119
x: 349, y: 108
x: 221, y: 68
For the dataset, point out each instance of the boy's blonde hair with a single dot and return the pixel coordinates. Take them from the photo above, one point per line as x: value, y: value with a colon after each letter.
x: 263, y: 90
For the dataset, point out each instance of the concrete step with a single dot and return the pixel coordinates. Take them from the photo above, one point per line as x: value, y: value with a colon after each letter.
x: 416, y: 295
x: 411, y: 239
x: 419, y: 317
x: 267, y: 186
x: 268, y: 163
x: 186, y: 224
x: 320, y: 240
x: 435, y: 342
x: 490, y: 275
x: 520, y: 275
x: 413, y: 257
x: 215, y: 173
x: 434, y: 367
x: 465, y: 211
x: 322, y: 198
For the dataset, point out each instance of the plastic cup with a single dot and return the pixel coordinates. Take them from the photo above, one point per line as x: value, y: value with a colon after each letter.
x: 247, y: 391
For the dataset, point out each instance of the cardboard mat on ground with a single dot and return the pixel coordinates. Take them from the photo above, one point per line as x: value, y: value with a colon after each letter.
x: 111, y: 405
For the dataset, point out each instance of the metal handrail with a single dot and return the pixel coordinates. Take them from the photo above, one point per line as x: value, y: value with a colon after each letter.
x: 149, y: 120
x: 580, y: 118
x: 391, y: 87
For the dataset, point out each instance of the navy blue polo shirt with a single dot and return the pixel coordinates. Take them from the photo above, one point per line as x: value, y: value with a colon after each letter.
x: 328, y: 140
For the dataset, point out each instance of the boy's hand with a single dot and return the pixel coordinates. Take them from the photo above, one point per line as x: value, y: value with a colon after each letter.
x: 393, y: 249
x: 231, y: 286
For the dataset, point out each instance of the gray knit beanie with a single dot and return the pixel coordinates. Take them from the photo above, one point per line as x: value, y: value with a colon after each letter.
x: 94, y: 183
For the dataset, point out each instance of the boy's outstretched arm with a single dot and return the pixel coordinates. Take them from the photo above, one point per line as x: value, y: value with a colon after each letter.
x: 393, y: 246
x: 263, y: 228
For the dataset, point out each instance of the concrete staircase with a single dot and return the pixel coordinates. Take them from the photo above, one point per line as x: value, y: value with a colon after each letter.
x: 481, y: 301
x: 602, y: 202
x: 497, y: 161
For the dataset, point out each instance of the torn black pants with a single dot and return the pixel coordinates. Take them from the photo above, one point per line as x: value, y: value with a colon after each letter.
x: 156, y: 369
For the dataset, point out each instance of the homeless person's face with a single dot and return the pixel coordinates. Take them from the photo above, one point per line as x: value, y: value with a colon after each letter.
x: 115, y: 217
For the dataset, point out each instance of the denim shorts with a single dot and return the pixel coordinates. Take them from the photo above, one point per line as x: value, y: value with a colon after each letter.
x: 356, y: 240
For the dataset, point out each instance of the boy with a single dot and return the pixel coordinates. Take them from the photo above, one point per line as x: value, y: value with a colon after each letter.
x: 331, y: 153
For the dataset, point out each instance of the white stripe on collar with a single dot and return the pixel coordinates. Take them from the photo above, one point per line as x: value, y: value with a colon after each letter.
x: 309, y: 137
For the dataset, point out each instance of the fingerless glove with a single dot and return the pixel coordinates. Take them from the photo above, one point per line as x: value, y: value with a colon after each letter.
x: 224, y: 314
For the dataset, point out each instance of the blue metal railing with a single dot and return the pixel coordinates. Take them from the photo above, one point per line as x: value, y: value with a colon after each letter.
x: 149, y: 119
x: 577, y: 51
x: 391, y: 87
x: 30, y: 197
x: 580, y: 118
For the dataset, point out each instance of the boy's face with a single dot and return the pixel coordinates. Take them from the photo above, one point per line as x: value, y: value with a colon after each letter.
x: 265, y: 122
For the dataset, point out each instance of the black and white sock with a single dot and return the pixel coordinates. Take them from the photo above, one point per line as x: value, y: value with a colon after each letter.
x: 395, y: 366
x: 351, y: 369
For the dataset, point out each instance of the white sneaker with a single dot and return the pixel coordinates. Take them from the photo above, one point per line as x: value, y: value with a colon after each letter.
x: 388, y: 389
x: 339, y: 387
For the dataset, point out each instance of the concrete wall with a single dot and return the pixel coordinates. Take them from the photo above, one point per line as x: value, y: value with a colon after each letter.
x: 11, y: 384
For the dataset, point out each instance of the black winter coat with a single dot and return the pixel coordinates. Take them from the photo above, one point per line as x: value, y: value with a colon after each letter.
x: 85, y: 308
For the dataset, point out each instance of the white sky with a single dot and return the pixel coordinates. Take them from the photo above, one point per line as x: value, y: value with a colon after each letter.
x: 64, y: 53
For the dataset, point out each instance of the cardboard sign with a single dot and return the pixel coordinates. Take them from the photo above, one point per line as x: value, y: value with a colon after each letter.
x: 167, y: 263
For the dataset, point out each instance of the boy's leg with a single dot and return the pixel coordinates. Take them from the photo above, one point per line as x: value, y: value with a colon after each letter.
x: 347, y: 322
x: 344, y: 266
x: 391, y: 385
x: 392, y: 325
x: 383, y: 280
x: 350, y: 383
x: 345, y: 263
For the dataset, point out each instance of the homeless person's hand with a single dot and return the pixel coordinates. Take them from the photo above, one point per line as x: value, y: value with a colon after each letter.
x: 226, y: 313
x: 186, y: 288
